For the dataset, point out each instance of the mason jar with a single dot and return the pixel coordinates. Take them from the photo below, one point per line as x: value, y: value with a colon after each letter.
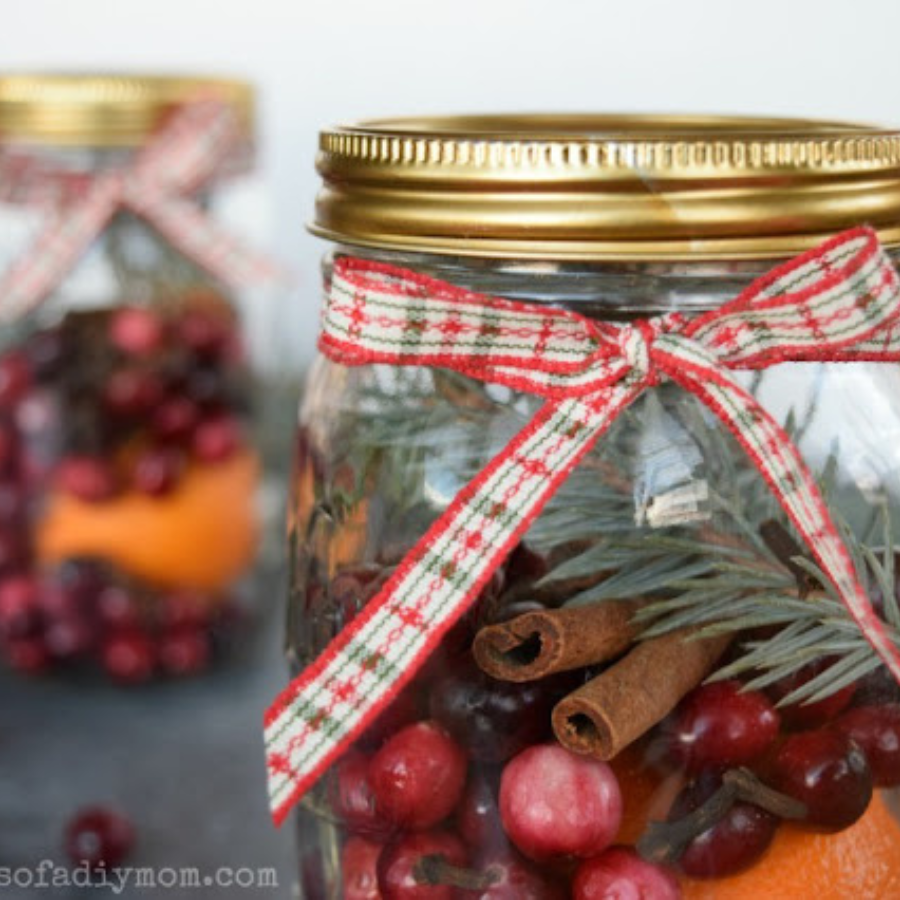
x: 655, y: 688
x: 130, y: 467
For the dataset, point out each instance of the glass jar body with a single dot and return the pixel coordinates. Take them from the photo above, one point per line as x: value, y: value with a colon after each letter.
x: 666, y: 515
x: 130, y: 467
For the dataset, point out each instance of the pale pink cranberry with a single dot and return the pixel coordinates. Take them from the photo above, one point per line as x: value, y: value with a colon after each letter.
x: 620, y: 874
x: 554, y: 803
x: 418, y: 776
x: 136, y: 331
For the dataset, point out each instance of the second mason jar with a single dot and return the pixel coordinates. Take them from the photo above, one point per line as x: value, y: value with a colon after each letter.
x: 659, y: 692
x: 128, y: 461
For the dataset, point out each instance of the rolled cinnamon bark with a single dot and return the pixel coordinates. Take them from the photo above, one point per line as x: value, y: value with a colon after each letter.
x: 545, y: 642
x: 623, y: 703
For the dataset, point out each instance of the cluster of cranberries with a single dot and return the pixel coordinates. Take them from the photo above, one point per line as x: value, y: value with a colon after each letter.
x: 828, y: 755
x: 101, y: 403
x: 459, y: 791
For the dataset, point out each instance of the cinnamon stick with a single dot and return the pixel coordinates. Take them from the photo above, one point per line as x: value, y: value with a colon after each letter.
x: 544, y: 642
x: 623, y: 703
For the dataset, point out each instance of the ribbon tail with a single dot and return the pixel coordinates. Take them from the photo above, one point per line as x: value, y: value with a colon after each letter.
x: 779, y: 462
x: 61, y: 244
x: 201, y: 240
x: 335, y: 699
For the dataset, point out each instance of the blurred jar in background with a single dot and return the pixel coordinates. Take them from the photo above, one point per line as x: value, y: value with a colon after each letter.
x: 129, y: 468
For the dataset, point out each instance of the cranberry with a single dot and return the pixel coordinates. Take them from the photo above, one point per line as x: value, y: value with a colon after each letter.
x: 493, y: 719
x: 69, y: 638
x: 352, y: 797
x: 418, y: 776
x: 184, y: 652
x: 826, y: 771
x: 216, y: 438
x: 83, y: 579
x: 620, y: 872
x: 98, y: 837
x: 118, y: 608
x: 185, y: 609
x: 478, y: 818
x: 175, y: 419
x: 359, y: 869
x: 129, y: 657
x: 9, y: 445
x: 15, y: 554
x: 89, y: 478
x: 514, y: 879
x: 20, y: 612
x: 403, y: 710
x: 13, y: 502
x: 15, y: 378
x: 732, y: 844
x: 526, y: 565
x: 397, y: 867
x: 28, y: 655
x: 555, y: 803
x: 720, y: 725
x: 876, y: 731
x: 137, y: 331
x: 130, y: 393
x: 809, y: 715
x: 205, y: 333
x: 157, y: 470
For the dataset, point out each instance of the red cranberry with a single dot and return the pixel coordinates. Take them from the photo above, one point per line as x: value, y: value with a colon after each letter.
x: 876, y: 731
x: 526, y: 565
x: 555, y: 803
x: 28, y: 655
x: 118, y: 608
x: 20, y: 612
x: 721, y: 725
x: 734, y: 843
x: 185, y: 609
x: 398, y: 877
x: 69, y: 638
x: 205, y: 333
x: 359, y: 869
x: 89, y: 478
x: 15, y: 378
x: 352, y: 797
x: 132, y: 392
x: 478, y: 818
x: 157, y: 470
x: 15, y: 553
x: 129, y: 657
x: 47, y: 351
x: 184, y: 652
x: 175, y: 419
x: 403, y: 710
x: 98, y: 837
x: 216, y: 438
x: 137, y: 331
x: 13, y: 502
x: 620, y: 872
x: 515, y: 879
x: 9, y: 445
x: 809, y: 715
x: 418, y: 776
x: 826, y: 771
x: 493, y: 719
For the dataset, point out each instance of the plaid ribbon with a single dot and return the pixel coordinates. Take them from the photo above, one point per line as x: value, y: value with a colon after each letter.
x: 181, y: 157
x: 840, y: 302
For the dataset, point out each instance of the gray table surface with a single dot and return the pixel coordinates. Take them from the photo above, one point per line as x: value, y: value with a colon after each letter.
x: 184, y: 760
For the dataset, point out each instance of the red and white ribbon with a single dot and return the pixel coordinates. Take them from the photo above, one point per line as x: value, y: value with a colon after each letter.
x: 156, y: 185
x: 838, y: 303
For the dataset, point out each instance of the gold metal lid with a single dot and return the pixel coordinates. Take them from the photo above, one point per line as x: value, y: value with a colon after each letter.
x: 605, y: 186
x: 105, y: 110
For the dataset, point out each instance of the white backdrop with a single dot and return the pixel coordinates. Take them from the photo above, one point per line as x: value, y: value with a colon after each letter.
x: 317, y: 62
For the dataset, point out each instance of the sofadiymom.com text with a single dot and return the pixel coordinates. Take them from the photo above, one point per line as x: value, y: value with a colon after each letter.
x: 48, y: 875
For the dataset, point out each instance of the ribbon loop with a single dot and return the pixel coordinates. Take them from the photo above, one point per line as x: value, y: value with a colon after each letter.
x: 837, y: 303
x: 183, y: 156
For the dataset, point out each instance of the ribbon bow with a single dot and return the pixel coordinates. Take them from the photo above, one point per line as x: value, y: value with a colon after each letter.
x: 183, y: 156
x: 840, y: 302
